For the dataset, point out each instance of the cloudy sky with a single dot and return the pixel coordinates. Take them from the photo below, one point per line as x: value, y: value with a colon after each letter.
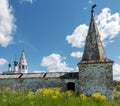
x: 52, y: 32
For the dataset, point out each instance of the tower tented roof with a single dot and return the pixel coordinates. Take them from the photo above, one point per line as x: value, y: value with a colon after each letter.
x: 94, y: 51
x: 23, y: 59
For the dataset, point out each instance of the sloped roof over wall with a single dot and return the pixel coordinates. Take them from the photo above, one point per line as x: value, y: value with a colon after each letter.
x: 63, y: 75
x: 2, y: 76
x: 54, y: 75
x: 33, y: 75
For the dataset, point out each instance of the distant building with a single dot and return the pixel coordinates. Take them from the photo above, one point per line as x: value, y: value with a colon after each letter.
x: 20, y: 67
x: 23, y: 67
x: 95, y: 71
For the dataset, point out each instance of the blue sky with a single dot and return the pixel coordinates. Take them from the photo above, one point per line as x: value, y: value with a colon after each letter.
x: 52, y: 32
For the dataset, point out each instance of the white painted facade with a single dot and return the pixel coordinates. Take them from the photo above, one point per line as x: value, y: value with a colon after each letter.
x: 21, y: 67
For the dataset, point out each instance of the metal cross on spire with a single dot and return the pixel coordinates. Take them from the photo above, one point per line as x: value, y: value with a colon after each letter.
x: 93, y: 8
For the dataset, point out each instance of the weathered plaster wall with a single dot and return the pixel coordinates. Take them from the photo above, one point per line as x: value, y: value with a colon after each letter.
x: 96, y: 78
x: 37, y: 83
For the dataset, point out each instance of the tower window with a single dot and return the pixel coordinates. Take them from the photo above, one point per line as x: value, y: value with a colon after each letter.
x: 23, y: 67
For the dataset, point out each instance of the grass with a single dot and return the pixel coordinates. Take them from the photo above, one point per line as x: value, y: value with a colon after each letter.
x: 53, y: 97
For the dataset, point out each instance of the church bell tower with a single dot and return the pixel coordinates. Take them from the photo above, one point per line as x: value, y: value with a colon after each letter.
x: 23, y: 67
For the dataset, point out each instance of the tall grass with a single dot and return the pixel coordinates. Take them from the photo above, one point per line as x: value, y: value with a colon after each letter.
x: 50, y: 97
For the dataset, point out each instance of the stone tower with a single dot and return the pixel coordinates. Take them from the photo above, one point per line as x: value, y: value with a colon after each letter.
x: 95, y: 70
x: 23, y: 67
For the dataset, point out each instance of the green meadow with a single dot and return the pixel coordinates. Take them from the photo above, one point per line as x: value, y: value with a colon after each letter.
x: 53, y: 97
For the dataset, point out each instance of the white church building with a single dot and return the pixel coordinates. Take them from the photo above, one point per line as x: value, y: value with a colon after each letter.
x: 19, y: 67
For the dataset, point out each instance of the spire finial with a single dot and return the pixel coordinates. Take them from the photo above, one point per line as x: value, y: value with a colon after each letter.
x: 93, y: 8
x: 23, y: 49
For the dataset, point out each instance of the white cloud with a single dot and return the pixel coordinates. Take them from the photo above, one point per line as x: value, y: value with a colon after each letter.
x: 39, y: 71
x: 90, y: 1
x: 55, y: 63
x: 108, y: 25
x: 77, y: 39
x: 30, y: 1
x: 77, y: 54
x: 116, y: 71
x: 3, y: 62
x: 118, y: 57
x: 85, y: 8
x: 7, y: 23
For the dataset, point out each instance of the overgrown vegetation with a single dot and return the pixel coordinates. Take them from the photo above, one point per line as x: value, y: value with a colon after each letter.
x: 54, y: 97
x: 117, y: 85
x: 49, y: 97
x: 116, y: 101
